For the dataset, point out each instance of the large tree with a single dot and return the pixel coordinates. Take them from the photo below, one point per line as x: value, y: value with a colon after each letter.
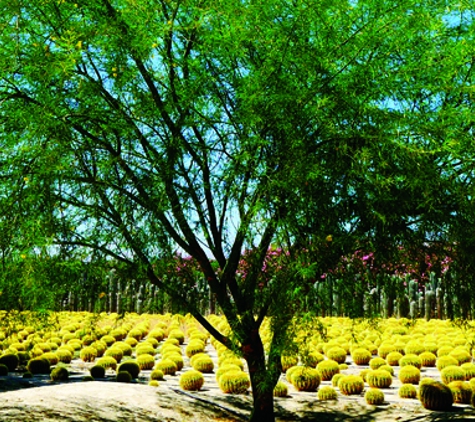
x: 136, y: 128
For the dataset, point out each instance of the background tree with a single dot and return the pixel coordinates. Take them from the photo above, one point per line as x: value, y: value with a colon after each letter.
x: 214, y: 127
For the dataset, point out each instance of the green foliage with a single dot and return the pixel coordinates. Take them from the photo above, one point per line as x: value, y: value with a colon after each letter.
x: 11, y: 361
x: 123, y: 376
x: 98, y: 371
x: 133, y: 368
x: 157, y: 375
x: 305, y: 378
x: 59, y: 373
x: 192, y: 380
x: 88, y: 354
x: 435, y: 396
x: 379, y: 378
x: 409, y: 374
x: 327, y: 369
x: 461, y: 391
x: 167, y: 366
x: 203, y: 364
x: 281, y: 389
x: 3, y: 370
x: 452, y: 373
x: 361, y: 356
x: 327, y: 393
x: 132, y: 131
x: 428, y: 359
x: 351, y: 385
x: 234, y: 382
x: 39, y: 366
x: 407, y: 391
x: 374, y: 396
x: 377, y: 362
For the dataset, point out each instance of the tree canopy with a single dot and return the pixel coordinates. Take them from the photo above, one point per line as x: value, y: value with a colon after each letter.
x: 138, y: 128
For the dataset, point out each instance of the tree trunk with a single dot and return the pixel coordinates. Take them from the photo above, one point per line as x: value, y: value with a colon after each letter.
x: 262, y: 382
x: 263, y: 410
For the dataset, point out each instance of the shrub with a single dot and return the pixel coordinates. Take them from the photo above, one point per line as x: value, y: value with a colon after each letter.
x: 11, y: 361
x: 166, y: 348
x: 385, y: 349
x: 108, y: 340
x: 374, y: 396
x: 281, y: 390
x: 124, y: 347
x: 3, y: 370
x: 39, y: 366
x: 153, y: 383
x: 313, y: 359
x: 123, y: 376
x: 145, y: 349
x: 336, y: 378
x: 364, y: 373
x: 108, y: 362
x: 414, y: 348
x: 226, y: 367
x: 435, y: 396
x: 145, y: 362
x: 177, y: 334
x: 157, y: 333
x: 461, y: 355
x: 469, y: 369
x: 411, y: 359
x: 393, y: 358
x: 305, y: 378
x: 351, y: 384
x: 452, y: 373
x: 88, y: 354
x: 444, y: 351
x: 100, y: 347
x: 327, y: 393
x: 115, y: 353
x: 445, y: 361
x: 135, y: 333
x: 179, y: 362
x: 98, y: 371
x: 428, y: 359
x: 328, y: 368
x: 192, y: 380
x: 388, y: 368
x: 64, y: 355
x: 461, y: 391
x: 361, y: 356
x: 194, y: 347
x: 167, y: 366
x: 337, y: 354
x: 234, y: 382
x: 409, y: 374
x: 27, y: 375
x: 379, y: 379
x: 132, y: 367
x: 288, y: 361
x: 407, y: 391
x: 87, y: 378
x: 203, y: 364
x: 289, y: 372
x: 60, y: 373
x: 156, y: 375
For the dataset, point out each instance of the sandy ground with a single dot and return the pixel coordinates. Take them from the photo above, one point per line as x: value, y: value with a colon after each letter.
x: 39, y: 399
